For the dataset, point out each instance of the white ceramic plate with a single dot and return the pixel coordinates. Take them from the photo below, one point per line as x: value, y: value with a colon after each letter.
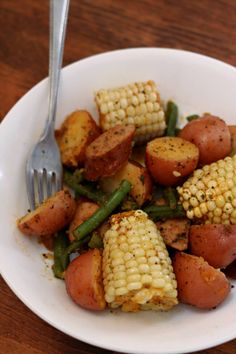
x: 198, y: 84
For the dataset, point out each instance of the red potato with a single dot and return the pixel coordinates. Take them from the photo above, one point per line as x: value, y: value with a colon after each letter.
x: 84, y: 210
x: 106, y: 154
x: 198, y: 283
x: 83, y: 279
x: 232, y: 129
x: 170, y: 159
x: 137, y: 175
x: 211, y: 135
x: 51, y: 216
x: 215, y: 243
x: 175, y: 232
x: 76, y: 133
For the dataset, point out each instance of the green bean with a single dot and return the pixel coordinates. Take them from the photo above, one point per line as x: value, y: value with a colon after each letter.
x: 73, y: 177
x: 158, y: 212
x: 71, y: 181
x: 95, y: 241
x: 192, y: 117
x: 172, y: 116
x: 60, y: 260
x: 170, y: 197
x: 103, y: 212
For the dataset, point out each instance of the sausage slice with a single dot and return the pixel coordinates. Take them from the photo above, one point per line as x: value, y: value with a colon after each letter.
x: 106, y: 154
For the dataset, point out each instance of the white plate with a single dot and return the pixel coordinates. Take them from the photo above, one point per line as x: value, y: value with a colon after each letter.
x: 198, y: 84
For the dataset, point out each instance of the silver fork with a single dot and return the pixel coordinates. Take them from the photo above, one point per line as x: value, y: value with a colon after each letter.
x: 43, y: 167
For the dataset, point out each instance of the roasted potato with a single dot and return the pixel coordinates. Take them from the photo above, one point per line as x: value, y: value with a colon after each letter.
x: 198, y: 283
x: 106, y: 154
x: 137, y: 175
x: 216, y: 243
x: 170, y: 159
x: 51, y: 216
x: 175, y: 232
x: 83, y: 279
x: 85, y: 209
x: 211, y: 135
x: 76, y: 133
x: 232, y: 129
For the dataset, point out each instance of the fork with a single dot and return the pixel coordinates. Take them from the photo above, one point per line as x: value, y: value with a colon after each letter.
x: 43, y: 167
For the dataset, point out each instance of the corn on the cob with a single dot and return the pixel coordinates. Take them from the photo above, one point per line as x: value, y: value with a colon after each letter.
x: 137, y: 104
x: 210, y: 193
x: 137, y: 270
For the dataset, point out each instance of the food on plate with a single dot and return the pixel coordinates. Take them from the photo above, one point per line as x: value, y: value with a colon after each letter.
x: 100, y: 215
x: 135, y: 199
x: 137, y: 270
x: 211, y: 135
x: 171, y: 118
x: 216, y: 243
x: 75, y: 134
x: 83, y: 280
x: 49, y: 217
x: 210, y: 193
x: 137, y: 104
x: 199, y: 284
x: 170, y: 159
x: 106, y: 154
x: 84, y: 210
x: 137, y: 175
x: 175, y: 232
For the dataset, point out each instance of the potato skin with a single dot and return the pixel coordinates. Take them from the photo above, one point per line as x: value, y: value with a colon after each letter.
x: 198, y: 283
x: 214, y: 242
x: 83, y: 279
x: 76, y: 133
x: 106, y: 154
x: 51, y: 216
x: 211, y: 135
x: 85, y: 209
x: 232, y: 129
x: 170, y: 159
x: 137, y: 175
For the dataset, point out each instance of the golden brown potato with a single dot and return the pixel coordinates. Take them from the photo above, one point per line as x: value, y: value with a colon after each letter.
x: 232, y: 129
x: 51, y: 216
x: 84, y: 210
x: 83, y: 280
x: 76, y: 133
x: 198, y: 283
x: 137, y: 175
x: 106, y: 154
x: 170, y: 159
x: 214, y: 242
x: 211, y: 135
x: 175, y: 232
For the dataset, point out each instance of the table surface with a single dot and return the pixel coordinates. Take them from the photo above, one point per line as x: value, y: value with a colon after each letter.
x: 206, y: 26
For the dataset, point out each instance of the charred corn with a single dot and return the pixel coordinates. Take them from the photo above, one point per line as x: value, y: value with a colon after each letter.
x: 137, y: 270
x: 210, y: 193
x: 137, y: 104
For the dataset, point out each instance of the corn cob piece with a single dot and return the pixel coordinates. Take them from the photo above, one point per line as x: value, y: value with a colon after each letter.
x: 137, y: 270
x: 210, y: 193
x: 137, y: 104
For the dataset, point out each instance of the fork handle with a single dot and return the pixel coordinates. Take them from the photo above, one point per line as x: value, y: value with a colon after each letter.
x: 58, y: 22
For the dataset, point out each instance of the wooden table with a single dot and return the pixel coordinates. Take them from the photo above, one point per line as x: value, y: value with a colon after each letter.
x: 205, y: 26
